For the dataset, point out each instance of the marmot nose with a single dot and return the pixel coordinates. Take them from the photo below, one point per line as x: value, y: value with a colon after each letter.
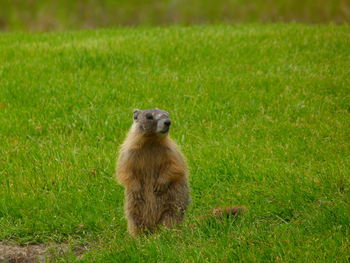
x: 167, y: 122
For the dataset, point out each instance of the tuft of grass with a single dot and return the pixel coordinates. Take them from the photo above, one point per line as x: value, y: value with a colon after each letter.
x: 262, y: 114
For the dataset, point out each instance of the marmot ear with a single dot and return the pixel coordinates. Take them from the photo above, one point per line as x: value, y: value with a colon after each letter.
x: 136, y: 113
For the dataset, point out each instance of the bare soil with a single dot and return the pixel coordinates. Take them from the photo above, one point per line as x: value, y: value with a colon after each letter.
x: 13, y: 253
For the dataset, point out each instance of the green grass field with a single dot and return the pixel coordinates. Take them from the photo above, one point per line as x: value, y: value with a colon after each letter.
x: 262, y: 114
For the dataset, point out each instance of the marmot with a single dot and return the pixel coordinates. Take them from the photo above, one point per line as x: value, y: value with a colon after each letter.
x: 154, y: 173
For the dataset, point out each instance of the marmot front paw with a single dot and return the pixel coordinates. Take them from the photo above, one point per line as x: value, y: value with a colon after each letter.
x: 160, y: 188
x: 137, y: 195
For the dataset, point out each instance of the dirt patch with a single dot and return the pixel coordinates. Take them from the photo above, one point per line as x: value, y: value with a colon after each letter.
x: 13, y: 253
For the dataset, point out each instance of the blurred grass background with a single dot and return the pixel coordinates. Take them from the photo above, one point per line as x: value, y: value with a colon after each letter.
x: 44, y: 15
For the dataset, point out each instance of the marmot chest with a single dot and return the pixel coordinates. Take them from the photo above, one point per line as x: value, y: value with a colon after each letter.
x: 150, y: 162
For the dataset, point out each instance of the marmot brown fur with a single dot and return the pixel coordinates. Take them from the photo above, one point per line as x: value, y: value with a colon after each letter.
x: 154, y: 173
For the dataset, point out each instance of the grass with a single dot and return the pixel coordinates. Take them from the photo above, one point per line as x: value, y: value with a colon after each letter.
x: 262, y: 114
x: 46, y: 15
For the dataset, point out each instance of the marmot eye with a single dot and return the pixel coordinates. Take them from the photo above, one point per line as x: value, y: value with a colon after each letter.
x: 149, y: 116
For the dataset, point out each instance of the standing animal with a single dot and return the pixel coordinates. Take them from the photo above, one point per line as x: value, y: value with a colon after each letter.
x: 154, y: 173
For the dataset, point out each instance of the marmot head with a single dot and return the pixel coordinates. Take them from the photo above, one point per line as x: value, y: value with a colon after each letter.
x: 153, y: 122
